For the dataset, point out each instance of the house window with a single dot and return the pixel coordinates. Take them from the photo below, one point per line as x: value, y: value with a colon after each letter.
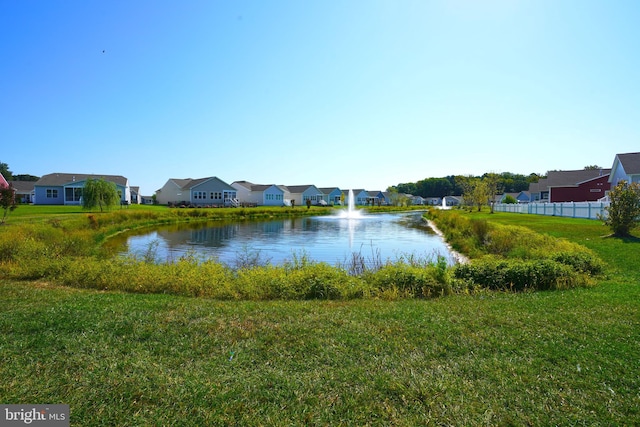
x: 72, y: 194
x: 595, y: 190
x: 52, y: 193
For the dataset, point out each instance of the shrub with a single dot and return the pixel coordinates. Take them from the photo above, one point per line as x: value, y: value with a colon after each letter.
x: 624, y: 210
x: 410, y: 281
x: 501, y: 274
x: 510, y: 200
x: 480, y: 229
x: 580, y: 261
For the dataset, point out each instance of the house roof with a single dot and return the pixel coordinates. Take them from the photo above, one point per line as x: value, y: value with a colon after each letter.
x: 23, y: 186
x: 328, y: 190
x: 57, y: 179
x: 193, y: 182
x: 245, y: 184
x: 262, y: 187
x: 189, y: 183
x: 630, y: 162
x: 572, y: 177
x: 298, y: 188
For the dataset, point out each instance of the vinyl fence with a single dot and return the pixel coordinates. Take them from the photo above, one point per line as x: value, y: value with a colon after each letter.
x: 590, y: 210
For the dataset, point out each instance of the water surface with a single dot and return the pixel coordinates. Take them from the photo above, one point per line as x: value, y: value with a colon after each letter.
x: 374, y: 237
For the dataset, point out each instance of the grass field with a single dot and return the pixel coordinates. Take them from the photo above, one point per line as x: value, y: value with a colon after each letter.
x: 489, y: 358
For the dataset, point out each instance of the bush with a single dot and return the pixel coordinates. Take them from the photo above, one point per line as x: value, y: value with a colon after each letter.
x: 624, y: 210
x: 501, y: 274
x: 410, y: 281
x: 582, y: 262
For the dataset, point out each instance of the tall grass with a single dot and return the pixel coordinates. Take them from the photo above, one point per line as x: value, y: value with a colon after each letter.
x: 68, y: 251
x: 515, y: 257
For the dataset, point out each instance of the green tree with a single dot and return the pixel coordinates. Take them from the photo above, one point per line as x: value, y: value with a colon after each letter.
x: 624, y: 208
x: 4, y: 170
x: 510, y: 200
x: 99, y: 193
x: 480, y: 193
x: 25, y: 177
x: 394, y: 196
x: 493, y: 183
x: 7, y: 202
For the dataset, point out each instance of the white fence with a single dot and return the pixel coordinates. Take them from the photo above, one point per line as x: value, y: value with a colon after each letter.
x: 590, y: 210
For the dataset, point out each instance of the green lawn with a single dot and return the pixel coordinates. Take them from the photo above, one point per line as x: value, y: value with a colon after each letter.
x: 543, y: 358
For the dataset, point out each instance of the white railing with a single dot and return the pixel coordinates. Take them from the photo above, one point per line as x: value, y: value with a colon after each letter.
x: 590, y: 210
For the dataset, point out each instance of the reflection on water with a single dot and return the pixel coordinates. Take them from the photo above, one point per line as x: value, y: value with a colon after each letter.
x: 327, y: 239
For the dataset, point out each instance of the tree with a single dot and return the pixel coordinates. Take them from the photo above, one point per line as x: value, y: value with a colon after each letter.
x: 7, y: 202
x: 510, y: 200
x: 4, y: 170
x: 493, y: 187
x: 624, y: 208
x: 480, y: 193
x: 394, y: 196
x: 25, y: 177
x: 101, y: 193
x: 592, y: 168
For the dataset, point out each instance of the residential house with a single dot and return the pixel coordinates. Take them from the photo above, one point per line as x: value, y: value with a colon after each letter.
x: 535, y: 192
x: 433, y: 201
x: 583, y: 185
x: 386, y: 198
x: 625, y: 167
x: 376, y: 198
x: 210, y: 191
x: 136, y: 198
x: 332, y: 195
x: 147, y: 200
x: 24, y: 190
x: 360, y: 197
x: 590, y: 190
x: 301, y: 193
x: 66, y: 188
x: 452, y: 200
x: 523, y: 197
x: 3, y: 182
x: 418, y: 200
x: 261, y: 194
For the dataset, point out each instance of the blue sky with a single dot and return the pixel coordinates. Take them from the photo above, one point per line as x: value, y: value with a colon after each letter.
x: 354, y: 94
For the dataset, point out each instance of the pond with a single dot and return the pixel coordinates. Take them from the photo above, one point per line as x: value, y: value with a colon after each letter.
x: 373, y: 238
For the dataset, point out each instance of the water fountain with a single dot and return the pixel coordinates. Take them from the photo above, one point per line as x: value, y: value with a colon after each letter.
x: 444, y: 203
x: 351, y: 212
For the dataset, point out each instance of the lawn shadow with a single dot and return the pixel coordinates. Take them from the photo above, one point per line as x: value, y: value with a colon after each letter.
x: 623, y: 239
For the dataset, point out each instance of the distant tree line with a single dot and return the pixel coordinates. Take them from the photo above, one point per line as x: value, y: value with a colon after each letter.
x: 9, y: 176
x: 459, y: 184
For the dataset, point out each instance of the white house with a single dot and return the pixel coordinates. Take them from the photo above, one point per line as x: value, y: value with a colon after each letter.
x: 301, y: 193
x: 625, y: 167
x: 210, y: 191
x: 261, y: 194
